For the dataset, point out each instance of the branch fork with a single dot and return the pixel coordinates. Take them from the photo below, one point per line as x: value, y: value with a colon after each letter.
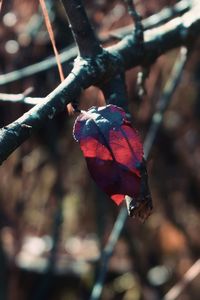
x: 110, y: 64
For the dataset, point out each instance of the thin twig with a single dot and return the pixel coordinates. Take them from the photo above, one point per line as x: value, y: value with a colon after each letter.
x: 165, y: 99
x: 107, y: 252
x: 151, y: 135
x: 188, y: 277
x: 67, y: 55
x: 139, y: 29
x: 19, y: 98
x: 139, y: 39
x: 141, y: 81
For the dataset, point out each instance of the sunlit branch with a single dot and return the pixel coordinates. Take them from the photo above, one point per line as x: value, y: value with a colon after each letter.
x: 179, y: 31
x: 157, y: 19
x: 16, y: 98
x: 188, y: 277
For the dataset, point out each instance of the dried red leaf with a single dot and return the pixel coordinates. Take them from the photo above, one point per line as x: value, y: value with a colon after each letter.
x: 114, y: 155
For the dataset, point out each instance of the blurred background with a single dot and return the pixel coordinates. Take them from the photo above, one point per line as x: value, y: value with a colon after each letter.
x: 53, y: 219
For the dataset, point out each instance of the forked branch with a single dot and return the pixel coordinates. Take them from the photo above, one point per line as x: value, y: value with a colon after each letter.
x: 96, y: 69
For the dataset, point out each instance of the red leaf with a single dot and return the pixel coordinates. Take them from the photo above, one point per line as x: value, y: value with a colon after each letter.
x: 113, y: 152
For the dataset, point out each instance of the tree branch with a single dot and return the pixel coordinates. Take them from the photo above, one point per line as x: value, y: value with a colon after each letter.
x: 164, y: 101
x: 17, y: 132
x: 155, y: 20
x: 67, y: 55
x: 83, y: 33
x: 70, y: 53
x: 179, y: 31
x: 115, y: 91
x: 19, y: 98
x: 108, y: 251
x: 188, y: 277
x: 94, y: 71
